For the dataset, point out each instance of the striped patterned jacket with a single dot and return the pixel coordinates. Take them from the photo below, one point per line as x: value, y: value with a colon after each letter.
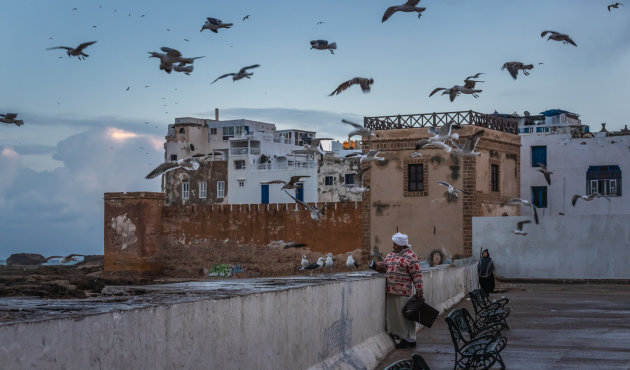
x: 401, y: 269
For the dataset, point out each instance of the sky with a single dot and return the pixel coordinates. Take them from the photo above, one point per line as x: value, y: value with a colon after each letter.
x: 97, y: 125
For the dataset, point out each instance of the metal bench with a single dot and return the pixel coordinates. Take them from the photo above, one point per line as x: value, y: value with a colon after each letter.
x: 477, y: 351
x: 487, y: 311
x: 416, y: 362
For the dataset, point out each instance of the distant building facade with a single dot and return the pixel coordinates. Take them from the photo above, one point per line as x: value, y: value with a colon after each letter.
x: 582, y: 162
x: 404, y: 195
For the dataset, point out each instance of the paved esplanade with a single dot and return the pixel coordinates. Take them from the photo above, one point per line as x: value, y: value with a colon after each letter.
x: 576, y: 326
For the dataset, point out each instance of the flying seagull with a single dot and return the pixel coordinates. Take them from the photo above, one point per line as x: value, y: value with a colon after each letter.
x: 291, y: 184
x: 452, y: 190
x: 519, y: 201
x: 557, y: 36
x: 242, y: 73
x: 514, y: 67
x: 318, y: 23
x: 468, y: 149
x: 169, y: 57
x: 519, y: 228
x: 443, y: 133
x: 358, y: 130
x: 357, y: 187
x: 543, y: 169
x: 365, y: 84
x: 214, y: 24
x: 246, y: 17
x: 350, y: 262
x: 371, y: 156
x: 423, y: 143
x: 588, y: 198
x: 409, y: 6
x: 10, y: 118
x: 469, y: 83
x: 182, y: 67
x: 190, y: 163
x: 75, y: 52
x: 324, y: 45
x: 476, y: 75
x: 615, y: 5
x: 316, y: 213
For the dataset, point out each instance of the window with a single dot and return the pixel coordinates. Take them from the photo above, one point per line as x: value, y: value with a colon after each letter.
x: 185, y: 190
x: 539, y: 155
x: 182, y: 131
x: 220, y: 189
x: 240, y: 164
x: 494, y: 177
x: 328, y: 181
x: 203, y: 189
x: 349, y: 179
x: 228, y: 132
x: 605, y: 180
x: 241, y: 183
x: 173, y: 157
x: 213, y: 131
x: 415, y: 179
x: 539, y: 196
x: 239, y: 130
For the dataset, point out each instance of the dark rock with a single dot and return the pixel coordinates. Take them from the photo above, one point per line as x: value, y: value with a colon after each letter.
x: 25, y: 259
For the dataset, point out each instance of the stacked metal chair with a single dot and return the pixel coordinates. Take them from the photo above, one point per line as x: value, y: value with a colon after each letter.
x: 487, y: 311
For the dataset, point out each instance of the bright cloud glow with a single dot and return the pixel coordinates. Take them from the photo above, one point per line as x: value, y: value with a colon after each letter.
x: 9, y: 152
x: 120, y: 135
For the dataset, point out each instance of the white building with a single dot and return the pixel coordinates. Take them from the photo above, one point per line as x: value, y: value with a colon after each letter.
x: 581, y: 162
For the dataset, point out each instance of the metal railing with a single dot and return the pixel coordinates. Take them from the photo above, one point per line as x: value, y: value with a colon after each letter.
x: 438, y: 119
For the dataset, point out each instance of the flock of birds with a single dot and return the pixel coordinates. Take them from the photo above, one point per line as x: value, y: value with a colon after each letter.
x: 327, y: 262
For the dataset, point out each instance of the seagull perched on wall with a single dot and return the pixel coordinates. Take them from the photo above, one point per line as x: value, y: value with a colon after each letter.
x: 242, y: 73
x: 190, y: 163
x: 305, y: 262
x: 10, y: 118
x: 557, y: 36
x: 75, y: 52
x: 519, y: 228
x: 588, y: 198
x: 350, y: 262
x: 329, y: 261
x: 214, y: 24
x: 409, y: 6
x: 169, y: 57
x: 452, y: 190
x: 543, y: 169
x: 313, y: 266
x: 358, y: 130
x: 316, y: 213
x: 324, y: 45
x: 615, y: 5
x: 514, y: 67
x: 519, y: 201
x: 291, y: 184
x: 468, y: 149
x: 365, y: 84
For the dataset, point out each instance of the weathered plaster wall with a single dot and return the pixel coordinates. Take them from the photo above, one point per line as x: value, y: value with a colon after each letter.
x: 184, y: 240
x: 337, y: 168
x: 331, y: 325
x: 209, y: 172
x: 560, y: 247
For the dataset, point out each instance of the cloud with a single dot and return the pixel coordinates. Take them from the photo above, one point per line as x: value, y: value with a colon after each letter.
x: 61, y: 211
x: 326, y: 123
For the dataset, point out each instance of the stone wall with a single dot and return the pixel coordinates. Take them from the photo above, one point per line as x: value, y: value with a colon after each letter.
x: 142, y: 235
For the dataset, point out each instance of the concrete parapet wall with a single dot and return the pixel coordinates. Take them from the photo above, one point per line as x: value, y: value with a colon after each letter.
x: 337, y: 324
x: 560, y: 247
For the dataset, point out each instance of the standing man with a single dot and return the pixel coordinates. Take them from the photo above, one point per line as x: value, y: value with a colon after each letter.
x: 402, y: 270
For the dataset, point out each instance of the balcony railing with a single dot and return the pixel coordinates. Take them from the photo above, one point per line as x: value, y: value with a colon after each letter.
x: 244, y: 151
x: 438, y: 119
x: 284, y: 165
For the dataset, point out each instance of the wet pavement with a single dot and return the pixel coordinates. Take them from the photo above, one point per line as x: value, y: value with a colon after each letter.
x: 121, y: 298
x: 575, y: 326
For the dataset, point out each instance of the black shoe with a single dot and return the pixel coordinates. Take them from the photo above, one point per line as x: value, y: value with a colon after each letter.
x: 412, y: 344
x: 402, y: 345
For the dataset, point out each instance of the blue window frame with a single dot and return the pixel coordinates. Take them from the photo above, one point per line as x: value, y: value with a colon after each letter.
x: 539, y: 155
x: 539, y: 196
x: 605, y: 180
x: 264, y: 193
x: 299, y: 190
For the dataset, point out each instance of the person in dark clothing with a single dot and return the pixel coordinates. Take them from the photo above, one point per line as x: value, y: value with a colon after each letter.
x: 485, y: 270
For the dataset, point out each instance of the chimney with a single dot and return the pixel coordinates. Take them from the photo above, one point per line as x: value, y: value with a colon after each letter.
x: 216, y: 114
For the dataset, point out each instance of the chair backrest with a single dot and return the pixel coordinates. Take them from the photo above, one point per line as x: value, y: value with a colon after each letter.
x: 464, y: 321
x: 453, y: 322
x: 478, y: 299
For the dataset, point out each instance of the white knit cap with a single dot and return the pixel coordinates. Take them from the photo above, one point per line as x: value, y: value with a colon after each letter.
x: 401, y: 240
